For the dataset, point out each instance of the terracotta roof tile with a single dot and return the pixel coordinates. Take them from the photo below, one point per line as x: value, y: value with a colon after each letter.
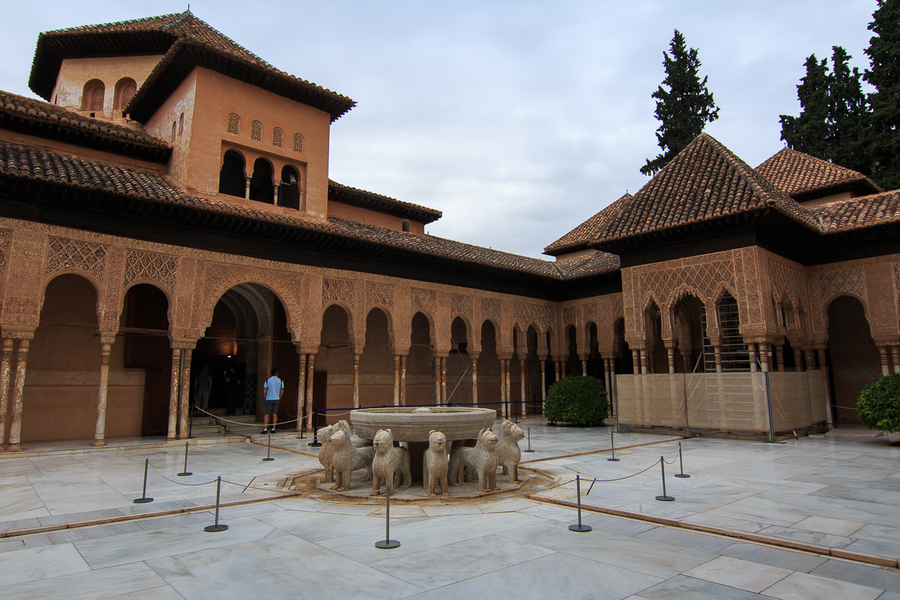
x: 185, y: 42
x: 385, y: 204
x: 859, y: 213
x: 705, y: 181
x: 59, y: 118
x: 797, y: 173
x: 581, y: 237
x: 26, y: 162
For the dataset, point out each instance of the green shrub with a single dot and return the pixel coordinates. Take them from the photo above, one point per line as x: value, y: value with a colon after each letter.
x: 576, y: 400
x: 878, y: 405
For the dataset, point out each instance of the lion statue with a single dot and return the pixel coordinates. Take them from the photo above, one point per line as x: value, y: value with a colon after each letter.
x: 508, y: 452
x: 389, y: 463
x: 326, y: 452
x: 434, y: 464
x: 482, y: 459
x: 348, y: 458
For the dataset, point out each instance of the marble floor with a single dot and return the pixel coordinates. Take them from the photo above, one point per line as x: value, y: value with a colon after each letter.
x: 69, y: 527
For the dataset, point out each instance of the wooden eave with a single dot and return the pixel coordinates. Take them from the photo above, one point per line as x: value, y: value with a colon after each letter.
x: 184, y: 56
x: 382, y: 204
x: 62, y: 133
x: 53, y: 47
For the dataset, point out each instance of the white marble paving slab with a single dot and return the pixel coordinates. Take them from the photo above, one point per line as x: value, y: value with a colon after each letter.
x: 34, y: 564
x: 830, y: 526
x: 737, y: 573
x: 147, y: 545
x: 800, y: 586
x: 90, y: 585
x: 290, y: 568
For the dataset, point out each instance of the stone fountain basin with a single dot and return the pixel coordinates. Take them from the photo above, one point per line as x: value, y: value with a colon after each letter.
x: 408, y: 425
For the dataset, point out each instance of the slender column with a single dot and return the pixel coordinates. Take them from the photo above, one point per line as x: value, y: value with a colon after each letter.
x: 474, y: 357
x: 610, y: 384
x: 670, y: 351
x: 174, y: 386
x: 275, y: 199
x: 895, y: 355
x: 764, y: 353
x: 506, y: 382
x: 503, y: 397
x: 301, y: 391
x: 584, y: 366
x: 779, y: 358
x: 556, y: 364
x: 443, y: 380
x: 752, y: 350
x: 824, y: 366
x: 403, y: 380
x: 885, y: 365
x: 810, y: 359
x: 718, y: 352
x: 798, y: 359
x: 436, y: 392
x: 185, y: 393
x: 543, y: 383
x: 15, y: 428
x: 644, y: 362
x: 4, y: 386
x: 397, y: 380
x: 247, y: 189
x: 605, y: 362
x: 636, y: 359
x: 310, y: 370
x: 356, y: 380
x: 106, y: 342
x: 522, y: 385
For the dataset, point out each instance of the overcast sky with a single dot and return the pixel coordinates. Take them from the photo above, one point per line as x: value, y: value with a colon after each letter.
x: 517, y: 119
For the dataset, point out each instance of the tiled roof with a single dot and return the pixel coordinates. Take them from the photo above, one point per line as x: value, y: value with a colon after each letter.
x: 385, y: 204
x: 26, y: 162
x: 186, y: 42
x: 859, y: 213
x: 798, y: 174
x: 582, y: 236
x: 43, y: 119
x: 704, y: 182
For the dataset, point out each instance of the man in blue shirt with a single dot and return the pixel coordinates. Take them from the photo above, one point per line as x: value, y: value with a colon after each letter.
x: 273, y: 389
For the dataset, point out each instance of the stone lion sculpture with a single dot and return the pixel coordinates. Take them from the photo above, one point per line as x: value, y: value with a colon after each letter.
x: 348, y: 458
x: 389, y: 463
x: 326, y: 452
x: 508, y: 452
x: 482, y: 459
x: 435, y: 464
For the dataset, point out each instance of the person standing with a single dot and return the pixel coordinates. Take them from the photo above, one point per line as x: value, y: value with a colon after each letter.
x: 273, y: 389
x: 202, y: 388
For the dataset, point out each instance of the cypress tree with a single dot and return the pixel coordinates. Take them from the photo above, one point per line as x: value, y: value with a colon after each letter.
x: 809, y: 132
x: 884, y: 76
x: 683, y: 109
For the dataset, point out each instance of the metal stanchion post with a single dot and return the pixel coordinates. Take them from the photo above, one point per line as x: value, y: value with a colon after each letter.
x: 269, y: 448
x: 387, y: 543
x: 579, y: 528
x: 217, y: 527
x: 681, y: 475
x: 315, y: 443
x: 665, y: 497
x: 185, y: 473
x: 612, y: 444
x: 144, y: 499
x: 529, y: 440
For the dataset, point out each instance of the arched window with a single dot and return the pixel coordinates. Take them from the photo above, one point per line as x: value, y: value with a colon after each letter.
x: 93, y: 96
x: 234, y: 124
x: 232, y: 179
x: 277, y: 136
x: 262, y: 188
x: 174, y: 131
x: 125, y: 90
x: 298, y: 142
x: 256, y: 130
x: 289, y: 190
x: 181, y: 124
